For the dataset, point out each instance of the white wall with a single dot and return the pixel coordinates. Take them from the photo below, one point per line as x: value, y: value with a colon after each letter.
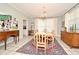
x: 25, y: 31
x: 54, y: 21
x: 59, y: 25
x: 72, y: 18
x: 8, y: 10
x: 31, y: 23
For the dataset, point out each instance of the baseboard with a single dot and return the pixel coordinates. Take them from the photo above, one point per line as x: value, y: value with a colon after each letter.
x: 58, y: 36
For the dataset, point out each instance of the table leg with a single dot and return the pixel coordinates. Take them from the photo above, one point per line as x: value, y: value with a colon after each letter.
x: 53, y: 41
x: 15, y: 40
x: 18, y: 38
x: 5, y: 44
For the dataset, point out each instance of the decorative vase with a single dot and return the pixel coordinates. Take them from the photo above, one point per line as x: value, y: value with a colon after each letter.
x: 65, y: 29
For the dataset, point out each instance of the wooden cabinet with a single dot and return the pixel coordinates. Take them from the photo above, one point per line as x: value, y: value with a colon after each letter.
x: 70, y: 38
x: 5, y: 34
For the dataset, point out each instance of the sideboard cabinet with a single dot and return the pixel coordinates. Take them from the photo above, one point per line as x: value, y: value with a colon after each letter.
x: 70, y: 38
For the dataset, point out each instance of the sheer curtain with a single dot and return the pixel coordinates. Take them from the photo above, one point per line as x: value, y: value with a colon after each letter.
x: 46, y: 25
x: 49, y: 25
x: 41, y: 25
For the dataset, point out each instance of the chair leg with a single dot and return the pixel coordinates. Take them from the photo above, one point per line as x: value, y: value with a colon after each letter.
x: 47, y: 44
x: 5, y: 44
x: 15, y: 40
x: 36, y: 49
x: 45, y: 50
x: 52, y: 42
x: 18, y: 38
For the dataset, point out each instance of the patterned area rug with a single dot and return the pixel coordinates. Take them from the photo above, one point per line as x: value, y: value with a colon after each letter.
x: 30, y: 49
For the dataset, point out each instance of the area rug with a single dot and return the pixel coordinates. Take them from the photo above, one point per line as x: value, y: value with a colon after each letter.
x: 29, y: 48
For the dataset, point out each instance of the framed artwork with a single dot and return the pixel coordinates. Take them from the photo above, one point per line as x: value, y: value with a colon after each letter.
x: 5, y: 17
x: 63, y: 23
x: 5, y: 21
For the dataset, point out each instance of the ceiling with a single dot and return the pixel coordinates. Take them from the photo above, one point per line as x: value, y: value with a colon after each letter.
x: 36, y: 9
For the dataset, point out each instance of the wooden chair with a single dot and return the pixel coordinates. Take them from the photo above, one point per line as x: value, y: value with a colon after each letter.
x: 50, y: 37
x: 41, y: 41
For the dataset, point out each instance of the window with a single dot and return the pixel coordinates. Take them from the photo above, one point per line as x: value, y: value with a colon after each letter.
x: 46, y: 25
x: 41, y: 25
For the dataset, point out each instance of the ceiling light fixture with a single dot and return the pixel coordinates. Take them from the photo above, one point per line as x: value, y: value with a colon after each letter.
x: 44, y: 13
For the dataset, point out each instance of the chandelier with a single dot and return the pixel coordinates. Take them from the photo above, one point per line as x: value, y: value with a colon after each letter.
x: 44, y: 13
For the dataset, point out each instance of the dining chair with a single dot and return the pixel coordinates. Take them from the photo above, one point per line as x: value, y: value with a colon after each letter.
x: 41, y: 41
x: 50, y: 37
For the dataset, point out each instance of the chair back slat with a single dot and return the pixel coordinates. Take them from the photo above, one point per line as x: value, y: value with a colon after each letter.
x: 40, y: 37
